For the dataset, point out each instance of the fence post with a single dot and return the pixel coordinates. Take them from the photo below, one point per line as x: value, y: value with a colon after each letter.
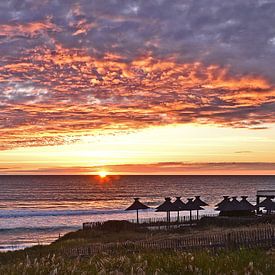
x: 272, y: 236
x: 228, y: 244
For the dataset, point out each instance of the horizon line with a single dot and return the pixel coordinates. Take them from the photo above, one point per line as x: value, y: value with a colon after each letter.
x: 113, y: 175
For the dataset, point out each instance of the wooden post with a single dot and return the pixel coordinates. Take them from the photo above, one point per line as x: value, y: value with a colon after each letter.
x: 257, y: 203
x: 272, y: 237
x: 169, y: 218
x: 228, y: 241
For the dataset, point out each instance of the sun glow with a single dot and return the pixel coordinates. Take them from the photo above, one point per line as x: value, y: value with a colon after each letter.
x: 103, y: 174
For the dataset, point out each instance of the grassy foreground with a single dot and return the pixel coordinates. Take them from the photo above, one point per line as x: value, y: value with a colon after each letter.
x: 51, y: 260
x: 240, y: 261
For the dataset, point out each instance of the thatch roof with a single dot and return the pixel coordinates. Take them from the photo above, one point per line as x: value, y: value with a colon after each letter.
x: 167, y: 206
x: 225, y: 201
x: 192, y: 205
x: 199, y: 201
x: 233, y: 205
x: 137, y: 205
x: 245, y: 205
x: 179, y: 204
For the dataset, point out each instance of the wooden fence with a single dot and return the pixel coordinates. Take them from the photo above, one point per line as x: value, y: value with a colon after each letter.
x: 257, y: 237
x: 173, y: 220
x: 156, y: 221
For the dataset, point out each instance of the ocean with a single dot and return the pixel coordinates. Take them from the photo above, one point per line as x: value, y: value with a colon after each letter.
x: 39, y: 209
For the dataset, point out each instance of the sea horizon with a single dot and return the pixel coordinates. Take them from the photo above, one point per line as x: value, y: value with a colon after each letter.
x: 170, y: 175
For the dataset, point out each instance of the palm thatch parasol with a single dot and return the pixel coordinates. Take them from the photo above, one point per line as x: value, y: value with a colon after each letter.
x: 199, y: 201
x: 180, y: 205
x: 224, y: 202
x: 231, y: 205
x: 223, y: 206
x: 191, y: 205
x: 197, y: 206
x: 245, y: 205
x: 235, y: 207
x: 137, y: 205
x: 167, y: 206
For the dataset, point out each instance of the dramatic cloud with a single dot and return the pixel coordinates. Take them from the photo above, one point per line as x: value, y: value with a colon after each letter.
x: 71, y: 68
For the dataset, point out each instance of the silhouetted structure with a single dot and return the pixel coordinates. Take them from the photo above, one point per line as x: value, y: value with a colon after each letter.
x: 191, y: 205
x: 180, y: 205
x: 263, y: 194
x: 221, y: 204
x: 199, y: 201
x: 246, y: 207
x: 137, y: 205
x: 235, y: 208
x: 267, y: 204
x: 167, y: 207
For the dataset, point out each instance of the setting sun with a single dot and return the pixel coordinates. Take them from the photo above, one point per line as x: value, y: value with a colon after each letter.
x: 102, y: 174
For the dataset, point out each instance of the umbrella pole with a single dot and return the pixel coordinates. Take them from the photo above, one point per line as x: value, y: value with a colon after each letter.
x: 178, y: 216
x: 197, y: 215
x: 190, y: 217
x: 137, y: 217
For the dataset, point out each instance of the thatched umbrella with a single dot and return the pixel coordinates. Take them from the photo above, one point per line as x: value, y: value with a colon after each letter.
x: 197, y: 206
x: 167, y: 206
x: 235, y: 207
x: 199, y: 201
x: 137, y: 205
x: 231, y: 206
x: 191, y: 205
x: 224, y: 202
x: 224, y: 205
x: 178, y: 203
x: 245, y: 205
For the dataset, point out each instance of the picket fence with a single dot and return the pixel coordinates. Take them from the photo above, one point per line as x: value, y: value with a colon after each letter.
x: 256, y: 237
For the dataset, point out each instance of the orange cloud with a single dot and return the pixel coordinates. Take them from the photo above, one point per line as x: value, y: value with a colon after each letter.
x: 52, y: 97
x: 27, y: 29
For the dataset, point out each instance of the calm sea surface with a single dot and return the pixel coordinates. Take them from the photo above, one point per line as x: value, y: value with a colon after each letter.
x: 36, y: 209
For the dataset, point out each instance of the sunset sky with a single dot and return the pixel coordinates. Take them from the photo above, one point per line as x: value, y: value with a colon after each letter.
x: 137, y: 87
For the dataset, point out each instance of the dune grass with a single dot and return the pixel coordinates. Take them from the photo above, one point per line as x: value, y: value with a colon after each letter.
x: 241, y: 261
x: 50, y: 259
